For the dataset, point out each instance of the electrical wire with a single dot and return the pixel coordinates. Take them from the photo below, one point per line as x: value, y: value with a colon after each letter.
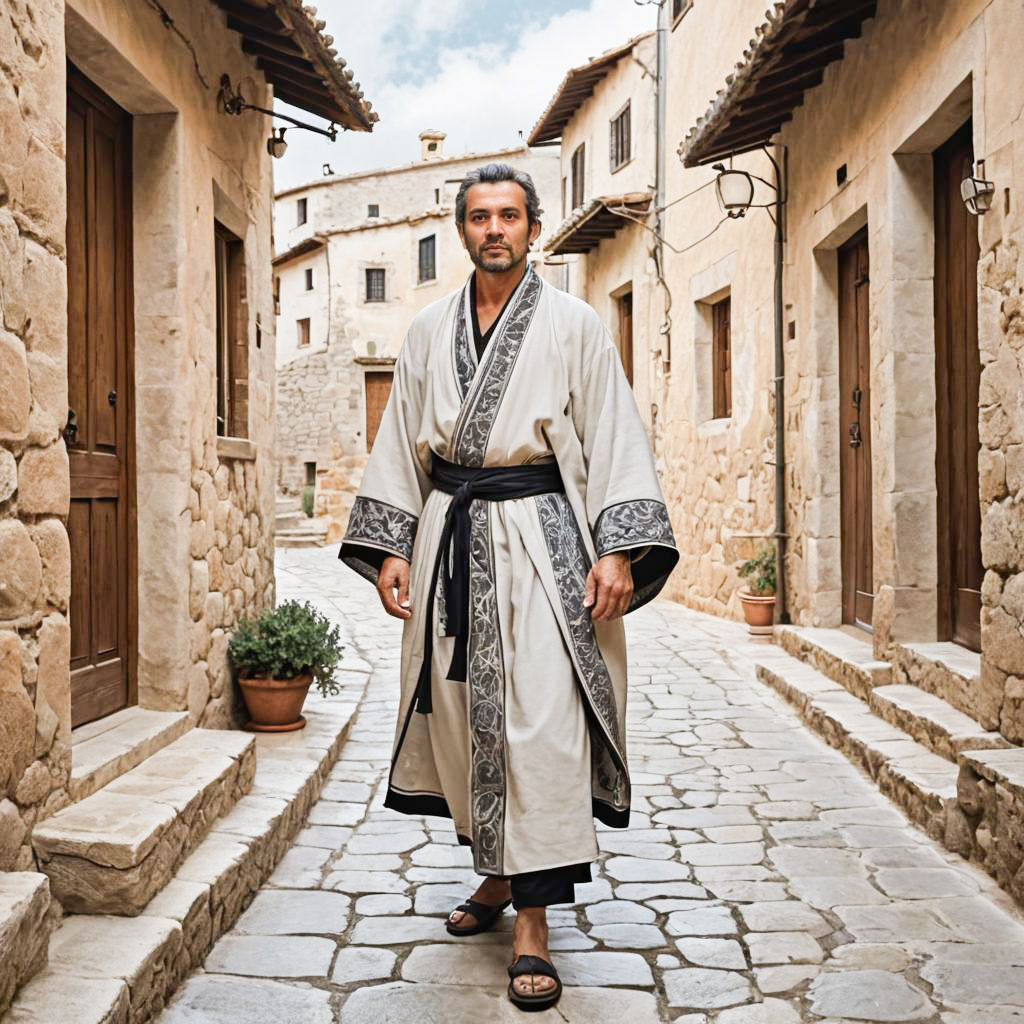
x: 168, y: 23
x: 627, y: 214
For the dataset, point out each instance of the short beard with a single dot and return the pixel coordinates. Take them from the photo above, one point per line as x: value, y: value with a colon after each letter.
x: 495, y: 264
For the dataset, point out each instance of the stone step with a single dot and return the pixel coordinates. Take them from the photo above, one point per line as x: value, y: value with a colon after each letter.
x: 105, y: 749
x: 932, y: 722
x: 123, y: 970
x: 27, y: 917
x: 921, y: 782
x: 949, y: 671
x: 839, y: 654
x: 300, y: 538
x: 113, y: 851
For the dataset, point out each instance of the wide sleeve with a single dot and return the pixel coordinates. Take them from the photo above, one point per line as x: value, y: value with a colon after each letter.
x: 624, y: 504
x: 395, y: 485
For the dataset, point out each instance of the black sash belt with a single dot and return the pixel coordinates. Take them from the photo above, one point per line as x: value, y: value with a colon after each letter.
x: 451, y: 565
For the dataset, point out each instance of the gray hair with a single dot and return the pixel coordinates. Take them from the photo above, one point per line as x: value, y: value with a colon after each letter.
x: 491, y: 174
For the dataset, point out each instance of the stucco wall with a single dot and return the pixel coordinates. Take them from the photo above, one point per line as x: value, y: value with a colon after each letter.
x: 716, y: 473
x: 203, y: 522
x: 300, y: 303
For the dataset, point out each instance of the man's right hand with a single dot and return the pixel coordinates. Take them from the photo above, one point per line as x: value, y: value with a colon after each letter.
x: 394, y: 576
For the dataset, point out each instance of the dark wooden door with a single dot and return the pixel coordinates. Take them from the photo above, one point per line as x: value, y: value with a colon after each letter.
x: 100, y: 398
x: 378, y: 390
x: 957, y: 380
x: 626, y: 334
x: 855, y: 432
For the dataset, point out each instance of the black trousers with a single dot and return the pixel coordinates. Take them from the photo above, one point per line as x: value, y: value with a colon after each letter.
x: 552, y: 885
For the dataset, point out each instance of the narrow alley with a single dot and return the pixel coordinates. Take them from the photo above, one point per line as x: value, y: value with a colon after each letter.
x: 763, y: 879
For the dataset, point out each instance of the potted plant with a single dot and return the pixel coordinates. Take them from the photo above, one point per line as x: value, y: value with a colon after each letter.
x: 277, y: 657
x: 758, y: 597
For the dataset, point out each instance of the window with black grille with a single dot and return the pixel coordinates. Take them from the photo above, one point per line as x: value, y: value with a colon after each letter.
x: 578, y: 171
x: 620, y: 141
x: 428, y: 258
x: 375, y: 284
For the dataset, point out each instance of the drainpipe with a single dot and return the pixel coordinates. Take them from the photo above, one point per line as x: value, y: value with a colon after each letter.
x: 660, y: 103
x: 781, y: 183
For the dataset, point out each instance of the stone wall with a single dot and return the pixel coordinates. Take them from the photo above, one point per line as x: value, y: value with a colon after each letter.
x: 35, y: 565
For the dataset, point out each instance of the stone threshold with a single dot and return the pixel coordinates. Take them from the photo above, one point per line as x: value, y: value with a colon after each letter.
x: 123, y: 970
x: 113, y: 851
x: 840, y: 655
x: 105, y: 749
x: 970, y: 799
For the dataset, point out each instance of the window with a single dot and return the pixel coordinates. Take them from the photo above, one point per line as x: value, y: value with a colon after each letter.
x: 378, y: 389
x: 277, y: 295
x: 302, y: 331
x: 375, y: 284
x: 437, y: 196
x: 626, y: 334
x: 679, y: 8
x: 578, y: 159
x: 619, y: 145
x: 564, y: 183
x: 311, y: 474
x: 428, y: 261
x: 721, y: 359
x: 300, y: 211
x: 309, y: 279
x: 232, y: 335
x: 373, y: 210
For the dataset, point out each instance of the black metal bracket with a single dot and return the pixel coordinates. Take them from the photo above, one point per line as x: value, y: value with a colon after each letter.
x: 232, y: 102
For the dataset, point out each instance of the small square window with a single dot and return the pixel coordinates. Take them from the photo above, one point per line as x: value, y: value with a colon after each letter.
x: 302, y: 331
x: 375, y: 284
x: 301, y: 211
x: 373, y: 210
x: 309, y: 279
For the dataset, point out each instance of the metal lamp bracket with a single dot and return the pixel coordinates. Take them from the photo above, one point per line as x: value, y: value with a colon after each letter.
x: 231, y: 101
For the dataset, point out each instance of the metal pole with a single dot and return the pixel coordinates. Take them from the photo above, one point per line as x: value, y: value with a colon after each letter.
x: 780, y: 404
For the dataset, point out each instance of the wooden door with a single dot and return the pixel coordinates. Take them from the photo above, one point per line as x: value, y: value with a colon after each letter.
x: 957, y: 381
x: 855, y: 433
x: 99, y: 435
x: 626, y: 334
x: 378, y: 390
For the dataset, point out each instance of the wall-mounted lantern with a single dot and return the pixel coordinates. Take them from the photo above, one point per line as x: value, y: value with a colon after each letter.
x: 977, y: 192
x: 735, y: 191
x: 276, y: 145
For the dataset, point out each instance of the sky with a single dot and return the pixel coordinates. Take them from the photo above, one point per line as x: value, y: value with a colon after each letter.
x: 480, y: 70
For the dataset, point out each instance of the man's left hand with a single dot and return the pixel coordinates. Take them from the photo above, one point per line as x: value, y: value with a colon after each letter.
x: 609, y: 587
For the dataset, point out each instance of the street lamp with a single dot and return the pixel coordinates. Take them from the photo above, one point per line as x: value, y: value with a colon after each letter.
x: 735, y: 191
x: 276, y: 145
x: 976, y: 191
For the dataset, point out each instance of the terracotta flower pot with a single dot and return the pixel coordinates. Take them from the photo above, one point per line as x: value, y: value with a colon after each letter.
x: 275, y: 704
x: 759, y: 611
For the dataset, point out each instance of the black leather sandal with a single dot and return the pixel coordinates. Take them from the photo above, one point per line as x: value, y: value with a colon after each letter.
x: 485, y: 915
x: 538, y: 1000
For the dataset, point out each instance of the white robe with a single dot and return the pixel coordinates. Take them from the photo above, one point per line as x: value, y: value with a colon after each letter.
x: 526, y: 752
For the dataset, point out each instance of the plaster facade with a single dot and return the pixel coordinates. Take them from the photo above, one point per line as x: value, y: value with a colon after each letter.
x: 321, y: 393
x: 204, y: 505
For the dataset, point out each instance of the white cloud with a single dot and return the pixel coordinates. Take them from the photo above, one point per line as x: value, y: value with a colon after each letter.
x: 482, y: 94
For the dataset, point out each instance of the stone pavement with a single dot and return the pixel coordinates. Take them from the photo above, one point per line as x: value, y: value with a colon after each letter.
x: 763, y: 880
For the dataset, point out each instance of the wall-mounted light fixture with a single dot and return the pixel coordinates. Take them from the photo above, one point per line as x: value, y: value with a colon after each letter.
x: 735, y: 191
x: 976, y: 191
x: 233, y: 102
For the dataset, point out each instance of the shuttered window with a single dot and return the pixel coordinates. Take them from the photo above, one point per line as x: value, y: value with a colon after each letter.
x: 620, y: 141
x: 428, y: 259
x: 721, y: 358
x: 578, y: 169
x: 302, y: 331
x: 232, y: 336
x: 375, y: 284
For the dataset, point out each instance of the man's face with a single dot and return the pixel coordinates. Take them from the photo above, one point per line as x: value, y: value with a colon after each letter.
x: 496, y: 232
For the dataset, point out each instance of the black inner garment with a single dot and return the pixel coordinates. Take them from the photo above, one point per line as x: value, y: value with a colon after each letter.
x: 481, y: 340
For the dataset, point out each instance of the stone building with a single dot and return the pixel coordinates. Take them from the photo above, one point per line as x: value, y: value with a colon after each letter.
x: 604, y: 118
x: 901, y: 364
x: 136, y: 450
x: 359, y: 256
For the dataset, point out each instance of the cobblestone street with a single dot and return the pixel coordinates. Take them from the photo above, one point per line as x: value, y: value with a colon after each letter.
x: 763, y: 879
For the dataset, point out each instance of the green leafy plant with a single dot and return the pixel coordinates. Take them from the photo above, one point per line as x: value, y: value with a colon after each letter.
x: 288, y: 641
x: 759, y: 572
x: 308, y: 495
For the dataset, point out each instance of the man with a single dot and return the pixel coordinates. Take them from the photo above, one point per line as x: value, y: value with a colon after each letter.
x: 511, y: 469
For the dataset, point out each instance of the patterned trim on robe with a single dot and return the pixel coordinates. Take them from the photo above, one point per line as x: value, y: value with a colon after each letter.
x: 473, y: 430
x: 486, y: 675
x: 641, y: 523
x: 465, y: 364
x: 571, y: 564
x: 376, y: 524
